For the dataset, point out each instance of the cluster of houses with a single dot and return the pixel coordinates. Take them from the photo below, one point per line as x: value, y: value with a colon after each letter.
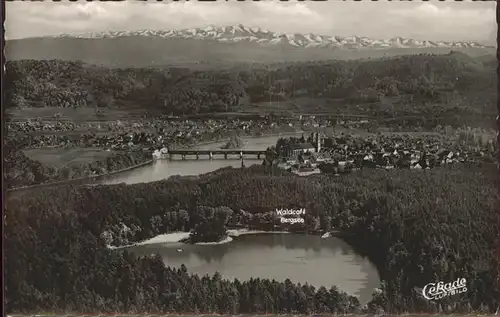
x: 340, y: 152
x: 38, y: 126
x: 346, y: 153
x: 187, y: 126
x: 116, y: 141
x: 123, y: 134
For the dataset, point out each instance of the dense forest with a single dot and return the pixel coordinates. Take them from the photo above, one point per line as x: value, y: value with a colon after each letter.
x: 416, y: 226
x: 455, y: 87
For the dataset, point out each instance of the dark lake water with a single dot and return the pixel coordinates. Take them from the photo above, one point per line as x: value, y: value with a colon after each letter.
x: 301, y: 258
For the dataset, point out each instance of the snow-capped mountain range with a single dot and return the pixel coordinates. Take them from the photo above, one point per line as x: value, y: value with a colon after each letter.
x: 240, y: 33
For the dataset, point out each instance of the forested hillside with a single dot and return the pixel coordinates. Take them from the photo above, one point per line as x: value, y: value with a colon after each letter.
x: 417, y: 227
x: 454, y: 87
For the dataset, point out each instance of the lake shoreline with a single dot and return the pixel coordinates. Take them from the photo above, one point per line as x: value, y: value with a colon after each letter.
x: 181, y: 237
x: 172, y: 244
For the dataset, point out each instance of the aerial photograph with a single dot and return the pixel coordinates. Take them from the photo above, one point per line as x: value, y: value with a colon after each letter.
x: 247, y: 158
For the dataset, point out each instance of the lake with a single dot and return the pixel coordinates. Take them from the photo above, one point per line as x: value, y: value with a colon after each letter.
x: 299, y: 257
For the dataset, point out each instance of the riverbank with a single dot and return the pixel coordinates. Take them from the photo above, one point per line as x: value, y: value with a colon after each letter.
x: 246, y: 137
x: 88, y: 180
x: 76, y: 181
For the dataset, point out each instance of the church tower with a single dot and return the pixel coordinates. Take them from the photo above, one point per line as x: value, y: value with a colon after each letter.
x: 318, y: 142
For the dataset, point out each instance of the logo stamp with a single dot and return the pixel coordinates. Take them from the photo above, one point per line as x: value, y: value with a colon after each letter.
x: 435, y: 291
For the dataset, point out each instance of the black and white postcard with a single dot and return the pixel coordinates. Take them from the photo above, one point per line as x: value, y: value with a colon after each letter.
x: 250, y: 157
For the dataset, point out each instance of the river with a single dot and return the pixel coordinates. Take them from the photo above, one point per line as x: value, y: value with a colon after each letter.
x: 299, y: 257
x: 163, y: 169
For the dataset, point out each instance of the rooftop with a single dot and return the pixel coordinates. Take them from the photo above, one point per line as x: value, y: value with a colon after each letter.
x: 299, y: 146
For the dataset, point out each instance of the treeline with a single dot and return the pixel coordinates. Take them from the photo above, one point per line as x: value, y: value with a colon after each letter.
x: 416, y: 226
x: 56, y: 83
x: 451, y: 85
x: 21, y: 171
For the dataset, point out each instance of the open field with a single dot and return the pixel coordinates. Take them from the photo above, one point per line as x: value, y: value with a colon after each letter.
x: 320, y: 106
x: 77, y: 115
x: 293, y: 106
x: 60, y: 157
x: 84, y: 130
x: 76, y: 132
x: 296, y: 106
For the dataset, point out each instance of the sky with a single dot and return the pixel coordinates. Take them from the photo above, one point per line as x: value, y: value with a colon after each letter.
x: 445, y: 21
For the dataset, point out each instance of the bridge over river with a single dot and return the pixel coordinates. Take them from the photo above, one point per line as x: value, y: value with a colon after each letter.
x: 212, y: 153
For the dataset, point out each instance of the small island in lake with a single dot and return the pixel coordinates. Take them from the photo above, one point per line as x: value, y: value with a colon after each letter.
x: 211, y: 226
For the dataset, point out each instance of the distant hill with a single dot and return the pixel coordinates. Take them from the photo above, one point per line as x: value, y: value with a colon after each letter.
x: 453, y: 86
x: 219, y: 46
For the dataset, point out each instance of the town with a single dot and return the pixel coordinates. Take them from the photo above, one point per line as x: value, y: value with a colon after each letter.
x: 326, y: 149
x: 124, y: 134
x: 345, y: 153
